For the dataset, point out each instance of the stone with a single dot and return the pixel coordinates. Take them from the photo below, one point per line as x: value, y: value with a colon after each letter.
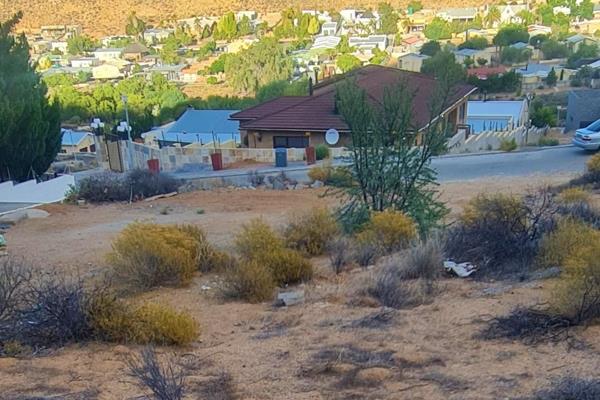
x: 373, y: 375
x: 290, y: 298
x: 317, y: 184
x: 13, y: 218
x: 279, y: 185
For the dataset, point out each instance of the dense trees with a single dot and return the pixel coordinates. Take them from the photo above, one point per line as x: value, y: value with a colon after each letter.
x: 511, y: 34
x: 389, y: 19
x: 263, y: 62
x: 430, y: 48
x: 135, y: 26
x: 512, y: 55
x: 80, y: 44
x: 29, y: 125
x: 553, y: 49
x: 438, y: 29
x: 226, y: 28
x: 477, y: 43
x: 507, y: 83
x: 584, y: 51
x: 347, y: 62
x: 306, y: 24
x: 443, y: 64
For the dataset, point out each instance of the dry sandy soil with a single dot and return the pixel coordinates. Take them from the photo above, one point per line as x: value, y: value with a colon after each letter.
x: 426, y: 352
x: 103, y: 17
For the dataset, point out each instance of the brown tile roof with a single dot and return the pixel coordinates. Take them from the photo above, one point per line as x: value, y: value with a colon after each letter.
x: 317, y: 112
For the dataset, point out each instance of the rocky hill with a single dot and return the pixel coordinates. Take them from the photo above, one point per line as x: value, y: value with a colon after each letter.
x: 103, y: 17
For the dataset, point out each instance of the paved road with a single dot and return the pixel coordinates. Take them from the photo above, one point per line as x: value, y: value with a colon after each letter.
x: 559, y: 160
x: 6, y: 207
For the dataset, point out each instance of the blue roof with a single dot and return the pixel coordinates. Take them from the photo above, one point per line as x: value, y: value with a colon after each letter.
x: 72, y: 138
x: 534, y: 68
x: 466, y: 52
x: 205, y: 121
x: 519, y: 45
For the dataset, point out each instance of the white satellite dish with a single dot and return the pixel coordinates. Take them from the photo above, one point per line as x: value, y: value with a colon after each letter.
x: 332, y: 136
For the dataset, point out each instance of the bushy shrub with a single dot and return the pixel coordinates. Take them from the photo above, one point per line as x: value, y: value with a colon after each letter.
x: 145, y: 183
x: 321, y: 151
x: 167, y: 382
x: 136, y: 184
x: 209, y: 259
x: 593, y: 165
x: 250, y: 281
x: 568, y: 239
x: 257, y: 242
x: 391, y: 290
x: 104, y: 187
x: 339, y: 253
x: 574, y: 195
x: 581, y: 211
x: 212, y: 80
x: 116, y: 321
x: 148, y: 255
x: 320, y: 173
x: 365, y: 251
x: 424, y: 260
x: 570, y: 388
x: 547, y: 141
x: 576, y: 295
x: 508, y: 145
x: 390, y: 230
x: 332, y: 176
x: 309, y: 232
x: 501, y: 233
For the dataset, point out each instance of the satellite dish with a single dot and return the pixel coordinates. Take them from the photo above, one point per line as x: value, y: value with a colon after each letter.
x: 332, y: 136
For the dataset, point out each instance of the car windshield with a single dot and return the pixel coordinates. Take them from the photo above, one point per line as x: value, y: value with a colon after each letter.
x: 594, y: 126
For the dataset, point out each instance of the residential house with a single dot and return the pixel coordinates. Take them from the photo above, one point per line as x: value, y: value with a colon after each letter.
x: 155, y: 35
x: 329, y: 29
x: 586, y: 27
x: 561, y: 10
x: 496, y: 115
x: 170, y: 72
x: 458, y: 14
x: 583, y: 108
x: 535, y: 30
x: 107, y: 54
x: 57, y: 45
x: 412, y: 44
x: 300, y: 121
x: 485, y: 72
x: 135, y: 52
x: 533, y: 75
x: 322, y: 16
x: 521, y: 46
x: 107, y: 40
x: 77, y: 142
x: 509, y: 14
x: 575, y: 41
x: 83, y: 62
x: 326, y: 42
x: 369, y: 43
x: 474, y: 54
x: 416, y: 22
x: 196, y: 126
x: 54, y: 32
x: 411, y: 62
x: 66, y: 70
x: 106, y: 72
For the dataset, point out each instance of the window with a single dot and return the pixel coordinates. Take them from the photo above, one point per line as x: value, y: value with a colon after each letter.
x: 299, y: 142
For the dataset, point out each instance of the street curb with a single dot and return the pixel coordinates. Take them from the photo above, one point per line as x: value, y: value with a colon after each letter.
x: 488, y: 153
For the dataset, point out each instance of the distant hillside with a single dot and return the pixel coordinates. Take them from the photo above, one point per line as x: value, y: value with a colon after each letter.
x: 103, y: 17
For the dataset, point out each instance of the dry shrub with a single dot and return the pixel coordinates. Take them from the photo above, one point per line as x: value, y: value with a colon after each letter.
x: 574, y: 195
x: 570, y: 388
x: 391, y: 290
x: 339, y: 253
x: 320, y: 173
x: 501, y: 233
x: 209, y: 259
x: 309, y: 232
x: 365, y: 251
x: 148, y: 255
x: 333, y: 176
x: 424, y: 260
x: 116, y: 321
x: 257, y: 242
x: 165, y: 380
x: 576, y: 295
x: 569, y: 238
x: 593, y: 164
x: 391, y: 230
x: 249, y: 281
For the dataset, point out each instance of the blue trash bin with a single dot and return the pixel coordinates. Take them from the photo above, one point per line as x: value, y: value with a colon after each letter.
x: 280, y: 157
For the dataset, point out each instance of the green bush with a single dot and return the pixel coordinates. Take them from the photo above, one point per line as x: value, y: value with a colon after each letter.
x: 309, y: 232
x: 321, y: 151
x: 212, y: 80
x: 508, y: 145
x: 147, y: 255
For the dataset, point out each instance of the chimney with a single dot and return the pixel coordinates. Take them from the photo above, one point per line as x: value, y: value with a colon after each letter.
x: 310, y: 86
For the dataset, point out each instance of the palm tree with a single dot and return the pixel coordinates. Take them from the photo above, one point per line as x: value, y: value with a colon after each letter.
x: 493, y: 16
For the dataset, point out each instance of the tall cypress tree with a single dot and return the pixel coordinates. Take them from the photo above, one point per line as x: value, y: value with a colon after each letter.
x: 30, y: 134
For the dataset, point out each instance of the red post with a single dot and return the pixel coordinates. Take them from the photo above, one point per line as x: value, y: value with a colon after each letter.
x: 217, y: 161
x: 153, y: 165
x: 311, y: 157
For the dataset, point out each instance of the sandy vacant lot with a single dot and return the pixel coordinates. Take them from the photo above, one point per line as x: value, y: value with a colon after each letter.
x: 317, y: 350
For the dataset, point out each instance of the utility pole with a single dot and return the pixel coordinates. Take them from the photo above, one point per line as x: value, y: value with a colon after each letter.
x: 127, y: 128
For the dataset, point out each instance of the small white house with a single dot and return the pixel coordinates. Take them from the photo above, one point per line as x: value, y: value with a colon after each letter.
x: 368, y: 43
x: 326, y: 42
x: 57, y: 45
x: 83, y: 62
x: 411, y: 62
x: 329, y: 29
x: 107, y: 54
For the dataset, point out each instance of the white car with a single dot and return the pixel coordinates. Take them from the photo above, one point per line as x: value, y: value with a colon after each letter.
x: 588, y: 138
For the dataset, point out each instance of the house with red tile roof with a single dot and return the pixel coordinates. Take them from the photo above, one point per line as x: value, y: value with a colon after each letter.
x: 301, y: 121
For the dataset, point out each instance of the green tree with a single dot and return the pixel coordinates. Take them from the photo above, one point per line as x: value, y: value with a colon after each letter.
x: 314, y: 27
x: 261, y: 63
x: 226, y: 28
x: 511, y: 55
x: 135, y: 26
x: 492, y: 17
x: 245, y: 27
x: 285, y: 27
x: 476, y: 43
x: 542, y: 115
x: 585, y: 51
x: 30, y: 134
x: 347, y: 62
x: 380, y: 57
x: 282, y: 88
x: 551, y: 79
x: 553, y: 49
x: 511, y: 34
x: 430, y: 48
x: 481, y: 61
x: 389, y: 19
x: 468, y: 62
x: 527, y: 17
x: 538, y: 40
x: 343, y: 46
x: 444, y: 65
x: 80, y: 44
x: 218, y: 65
x: 414, y: 6
x: 438, y: 29
x: 390, y: 164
